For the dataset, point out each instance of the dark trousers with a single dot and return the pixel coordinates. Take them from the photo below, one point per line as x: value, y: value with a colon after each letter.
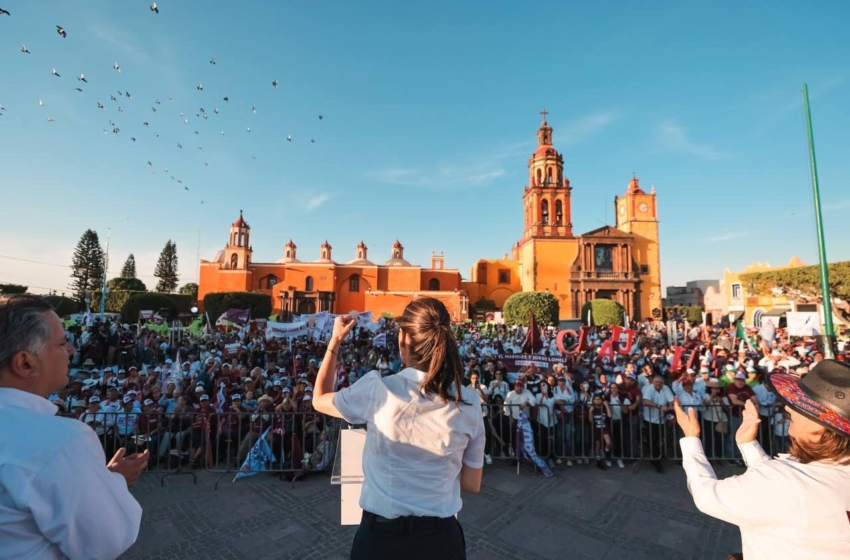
x: 410, y: 538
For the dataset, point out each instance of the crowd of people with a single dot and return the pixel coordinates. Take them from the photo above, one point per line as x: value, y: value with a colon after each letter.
x: 206, y: 400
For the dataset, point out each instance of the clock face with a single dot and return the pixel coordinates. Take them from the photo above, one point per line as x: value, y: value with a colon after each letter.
x: 622, y: 210
x: 643, y: 207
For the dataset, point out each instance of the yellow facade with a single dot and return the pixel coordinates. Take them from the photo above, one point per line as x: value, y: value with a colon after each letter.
x: 620, y: 262
x: 754, y: 306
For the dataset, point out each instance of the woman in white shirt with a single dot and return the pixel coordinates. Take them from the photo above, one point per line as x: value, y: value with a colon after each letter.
x: 499, y: 386
x: 795, y: 506
x: 545, y: 423
x: 424, y: 441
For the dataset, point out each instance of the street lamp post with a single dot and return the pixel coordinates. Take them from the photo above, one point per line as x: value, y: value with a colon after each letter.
x: 829, y: 330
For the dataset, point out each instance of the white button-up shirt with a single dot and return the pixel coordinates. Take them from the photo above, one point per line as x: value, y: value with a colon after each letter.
x: 785, y: 510
x: 415, y: 444
x: 664, y: 397
x: 57, y: 498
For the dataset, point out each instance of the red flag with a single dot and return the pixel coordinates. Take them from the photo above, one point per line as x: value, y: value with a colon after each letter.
x: 677, y: 359
x: 532, y: 343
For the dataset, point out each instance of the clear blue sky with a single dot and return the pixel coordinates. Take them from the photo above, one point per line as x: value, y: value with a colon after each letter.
x: 430, y: 112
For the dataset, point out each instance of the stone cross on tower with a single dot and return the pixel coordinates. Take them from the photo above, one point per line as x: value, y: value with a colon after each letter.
x: 544, y: 112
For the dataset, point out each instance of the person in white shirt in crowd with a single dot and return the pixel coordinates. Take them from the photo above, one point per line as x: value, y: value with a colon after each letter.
x: 518, y: 402
x: 565, y: 398
x: 657, y: 401
x: 483, y: 394
x: 425, y: 438
x: 499, y: 386
x: 58, y: 496
x: 795, y: 506
x: 545, y: 423
x: 111, y: 406
x: 617, y: 402
x: 696, y: 382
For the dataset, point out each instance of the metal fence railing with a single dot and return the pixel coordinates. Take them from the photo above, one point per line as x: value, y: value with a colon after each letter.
x: 187, y: 442
x: 583, y: 433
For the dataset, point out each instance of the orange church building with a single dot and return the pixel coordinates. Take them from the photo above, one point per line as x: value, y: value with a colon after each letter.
x: 620, y: 262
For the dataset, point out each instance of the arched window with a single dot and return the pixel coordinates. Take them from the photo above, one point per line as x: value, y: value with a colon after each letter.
x: 234, y: 261
x: 354, y: 283
x: 539, y: 176
x: 559, y: 211
x: 395, y: 255
x: 544, y: 211
x: 549, y: 175
x: 360, y: 254
x: 308, y: 284
x: 434, y: 285
x: 288, y: 253
x: 324, y: 253
x: 271, y: 281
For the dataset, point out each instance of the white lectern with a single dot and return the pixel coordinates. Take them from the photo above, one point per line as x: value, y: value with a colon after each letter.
x: 348, y: 473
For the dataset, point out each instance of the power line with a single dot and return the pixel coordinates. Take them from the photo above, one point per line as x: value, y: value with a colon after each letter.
x: 11, y: 258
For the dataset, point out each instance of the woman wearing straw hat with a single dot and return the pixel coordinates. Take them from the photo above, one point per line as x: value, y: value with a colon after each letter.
x: 796, y: 506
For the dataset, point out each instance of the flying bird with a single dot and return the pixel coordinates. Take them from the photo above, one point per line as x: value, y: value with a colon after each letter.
x: 117, y: 67
x: 274, y: 83
x: 222, y: 133
x: 206, y: 163
x: 212, y: 62
x: 200, y: 147
x: 120, y: 94
x: 215, y: 110
x: 149, y: 163
x: 82, y: 78
x: 120, y: 110
x: 153, y: 109
x: 55, y: 73
x: 156, y: 134
x: 312, y: 140
x: 127, y: 95
x: 154, y: 8
x: 185, y: 121
x: 112, y: 97
x: 100, y: 106
x: 320, y: 117
x: 253, y: 110
x: 226, y: 99
x: 49, y: 119
x: 78, y: 89
x: 248, y: 128
x: 40, y: 103
x: 180, y: 181
x: 61, y: 32
x: 179, y: 146
x: 4, y: 12
x: 289, y: 138
x: 157, y: 101
x: 201, y: 109
x: 187, y: 188
x: 133, y: 139
x: 181, y: 115
x: 168, y: 97
x: 206, y: 116
x: 116, y: 130
x: 24, y: 49
x: 200, y: 87
x: 196, y: 132
x: 145, y: 123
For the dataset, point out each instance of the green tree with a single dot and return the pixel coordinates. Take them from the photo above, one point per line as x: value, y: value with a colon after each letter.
x: 62, y: 305
x: 603, y: 312
x: 483, y: 304
x: 129, y: 268
x: 518, y: 308
x: 190, y: 289
x: 13, y: 289
x: 146, y: 301
x: 130, y: 283
x: 166, y: 268
x: 87, y: 265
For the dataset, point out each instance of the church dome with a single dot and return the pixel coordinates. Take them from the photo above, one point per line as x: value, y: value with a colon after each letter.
x: 286, y: 260
x: 397, y: 262
x: 361, y: 262
x: 240, y: 223
x: 219, y: 257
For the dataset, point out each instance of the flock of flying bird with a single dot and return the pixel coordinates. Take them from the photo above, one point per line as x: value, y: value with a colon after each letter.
x: 200, y: 113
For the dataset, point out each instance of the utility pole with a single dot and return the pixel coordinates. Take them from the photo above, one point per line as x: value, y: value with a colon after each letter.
x: 829, y: 330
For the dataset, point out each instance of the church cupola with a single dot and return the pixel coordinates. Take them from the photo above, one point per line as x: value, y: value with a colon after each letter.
x: 398, y: 250
x: 325, y: 251
x: 238, y: 250
x: 547, y: 196
x: 362, y: 252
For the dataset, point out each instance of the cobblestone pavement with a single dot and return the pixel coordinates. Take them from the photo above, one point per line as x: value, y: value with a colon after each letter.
x: 581, y: 513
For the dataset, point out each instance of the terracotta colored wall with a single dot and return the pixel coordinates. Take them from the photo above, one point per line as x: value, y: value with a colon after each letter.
x: 449, y: 279
x: 554, y: 259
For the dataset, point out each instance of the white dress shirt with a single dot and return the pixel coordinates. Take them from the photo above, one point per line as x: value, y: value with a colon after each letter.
x: 664, y: 397
x: 785, y: 510
x: 414, y: 444
x: 57, y: 499
x: 514, y: 400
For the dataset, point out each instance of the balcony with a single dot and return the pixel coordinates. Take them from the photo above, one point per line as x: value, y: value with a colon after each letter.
x: 599, y: 275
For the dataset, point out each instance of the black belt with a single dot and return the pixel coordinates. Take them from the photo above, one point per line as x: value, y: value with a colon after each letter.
x: 408, y: 521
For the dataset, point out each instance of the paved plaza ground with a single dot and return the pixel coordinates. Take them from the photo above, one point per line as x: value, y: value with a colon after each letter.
x: 581, y: 513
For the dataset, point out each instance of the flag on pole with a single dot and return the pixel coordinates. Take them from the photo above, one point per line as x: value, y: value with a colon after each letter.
x: 741, y: 334
x: 532, y: 343
x: 256, y: 460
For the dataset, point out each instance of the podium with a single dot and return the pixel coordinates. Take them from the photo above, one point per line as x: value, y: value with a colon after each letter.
x: 348, y: 473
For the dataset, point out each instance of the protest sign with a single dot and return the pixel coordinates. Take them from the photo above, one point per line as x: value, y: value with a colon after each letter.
x: 803, y: 323
x: 285, y: 330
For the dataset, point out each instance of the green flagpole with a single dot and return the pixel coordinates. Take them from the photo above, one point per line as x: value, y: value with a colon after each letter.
x: 824, y: 269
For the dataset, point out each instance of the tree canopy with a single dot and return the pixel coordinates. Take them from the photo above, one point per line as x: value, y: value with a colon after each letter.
x: 166, y: 268
x: 87, y: 265
x: 518, y: 308
x: 129, y: 268
x: 129, y: 283
x: 802, y: 284
x: 603, y: 312
x: 189, y: 289
x: 13, y: 289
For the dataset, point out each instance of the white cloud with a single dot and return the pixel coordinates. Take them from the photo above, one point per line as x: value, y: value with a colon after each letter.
x: 726, y: 236
x: 671, y: 136
x: 584, y: 128
x: 315, y: 201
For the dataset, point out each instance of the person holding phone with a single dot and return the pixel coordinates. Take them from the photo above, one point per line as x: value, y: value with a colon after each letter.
x: 425, y: 438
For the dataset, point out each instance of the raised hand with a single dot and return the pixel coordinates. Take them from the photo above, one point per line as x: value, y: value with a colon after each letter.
x: 687, y: 421
x: 750, y: 421
x: 130, y: 467
x: 343, y: 325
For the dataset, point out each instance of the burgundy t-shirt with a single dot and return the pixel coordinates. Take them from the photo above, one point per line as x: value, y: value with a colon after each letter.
x: 744, y: 394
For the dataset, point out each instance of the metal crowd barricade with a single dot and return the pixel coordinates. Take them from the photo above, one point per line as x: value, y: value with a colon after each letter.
x: 299, y: 442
